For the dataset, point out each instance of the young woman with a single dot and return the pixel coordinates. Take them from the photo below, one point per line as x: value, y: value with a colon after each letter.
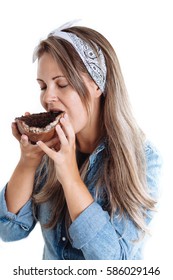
x: 93, y: 186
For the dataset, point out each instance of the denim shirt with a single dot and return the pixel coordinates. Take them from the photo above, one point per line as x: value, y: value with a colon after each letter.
x: 93, y: 235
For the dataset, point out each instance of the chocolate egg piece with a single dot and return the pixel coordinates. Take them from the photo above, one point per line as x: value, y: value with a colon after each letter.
x: 40, y: 126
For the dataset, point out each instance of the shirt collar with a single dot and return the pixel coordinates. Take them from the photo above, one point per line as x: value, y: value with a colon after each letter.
x: 93, y: 156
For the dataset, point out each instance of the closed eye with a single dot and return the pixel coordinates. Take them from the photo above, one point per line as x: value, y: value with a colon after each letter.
x: 63, y: 86
x: 42, y: 88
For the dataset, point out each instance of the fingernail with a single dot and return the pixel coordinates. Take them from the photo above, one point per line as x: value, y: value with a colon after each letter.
x: 65, y: 116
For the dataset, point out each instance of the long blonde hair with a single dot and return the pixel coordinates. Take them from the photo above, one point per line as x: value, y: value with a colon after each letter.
x: 123, y: 172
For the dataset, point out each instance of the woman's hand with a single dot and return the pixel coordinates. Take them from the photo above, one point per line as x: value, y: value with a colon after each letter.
x: 31, y: 155
x: 64, y: 157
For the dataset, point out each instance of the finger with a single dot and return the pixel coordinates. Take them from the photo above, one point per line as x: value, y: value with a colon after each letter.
x: 67, y: 128
x: 15, y: 131
x: 24, y: 140
x: 62, y: 137
x: 27, y: 114
x: 46, y: 149
x: 52, y: 142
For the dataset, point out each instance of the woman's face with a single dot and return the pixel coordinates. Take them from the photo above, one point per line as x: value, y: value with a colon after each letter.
x: 58, y: 95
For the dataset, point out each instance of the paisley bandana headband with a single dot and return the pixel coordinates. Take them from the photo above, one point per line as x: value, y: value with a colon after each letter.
x: 94, y: 62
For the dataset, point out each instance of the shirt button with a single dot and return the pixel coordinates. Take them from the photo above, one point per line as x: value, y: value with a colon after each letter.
x: 63, y: 238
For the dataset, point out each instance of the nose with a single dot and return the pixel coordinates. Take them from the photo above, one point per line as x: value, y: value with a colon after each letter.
x: 49, y: 96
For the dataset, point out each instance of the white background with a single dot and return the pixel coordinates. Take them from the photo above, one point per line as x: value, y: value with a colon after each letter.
x: 141, y: 33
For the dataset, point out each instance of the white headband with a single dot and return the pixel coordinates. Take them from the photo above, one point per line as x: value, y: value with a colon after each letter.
x: 94, y: 62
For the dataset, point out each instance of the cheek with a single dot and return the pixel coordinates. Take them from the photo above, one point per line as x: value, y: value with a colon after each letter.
x: 78, y: 116
x: 80, y: 122
x: 42, y: 102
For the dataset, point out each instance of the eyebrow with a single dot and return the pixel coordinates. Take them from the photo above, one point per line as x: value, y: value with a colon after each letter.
x: 56, y: 77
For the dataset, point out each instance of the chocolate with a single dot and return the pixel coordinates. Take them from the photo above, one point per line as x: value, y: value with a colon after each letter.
x: 40, y: 120
x: 39, y: 126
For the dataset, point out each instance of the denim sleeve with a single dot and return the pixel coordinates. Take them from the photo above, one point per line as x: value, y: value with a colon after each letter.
x: 154, y: 164
x: 98, y: 237
x: 14, y: 227
x: 154, y: 170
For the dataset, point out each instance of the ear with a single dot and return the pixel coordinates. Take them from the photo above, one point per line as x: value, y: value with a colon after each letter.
x: 97, y: 90
x: 92, y: 86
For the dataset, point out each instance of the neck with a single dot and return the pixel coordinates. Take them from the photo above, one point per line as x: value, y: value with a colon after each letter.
x: 89, y: 137
x: 86, y: 145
